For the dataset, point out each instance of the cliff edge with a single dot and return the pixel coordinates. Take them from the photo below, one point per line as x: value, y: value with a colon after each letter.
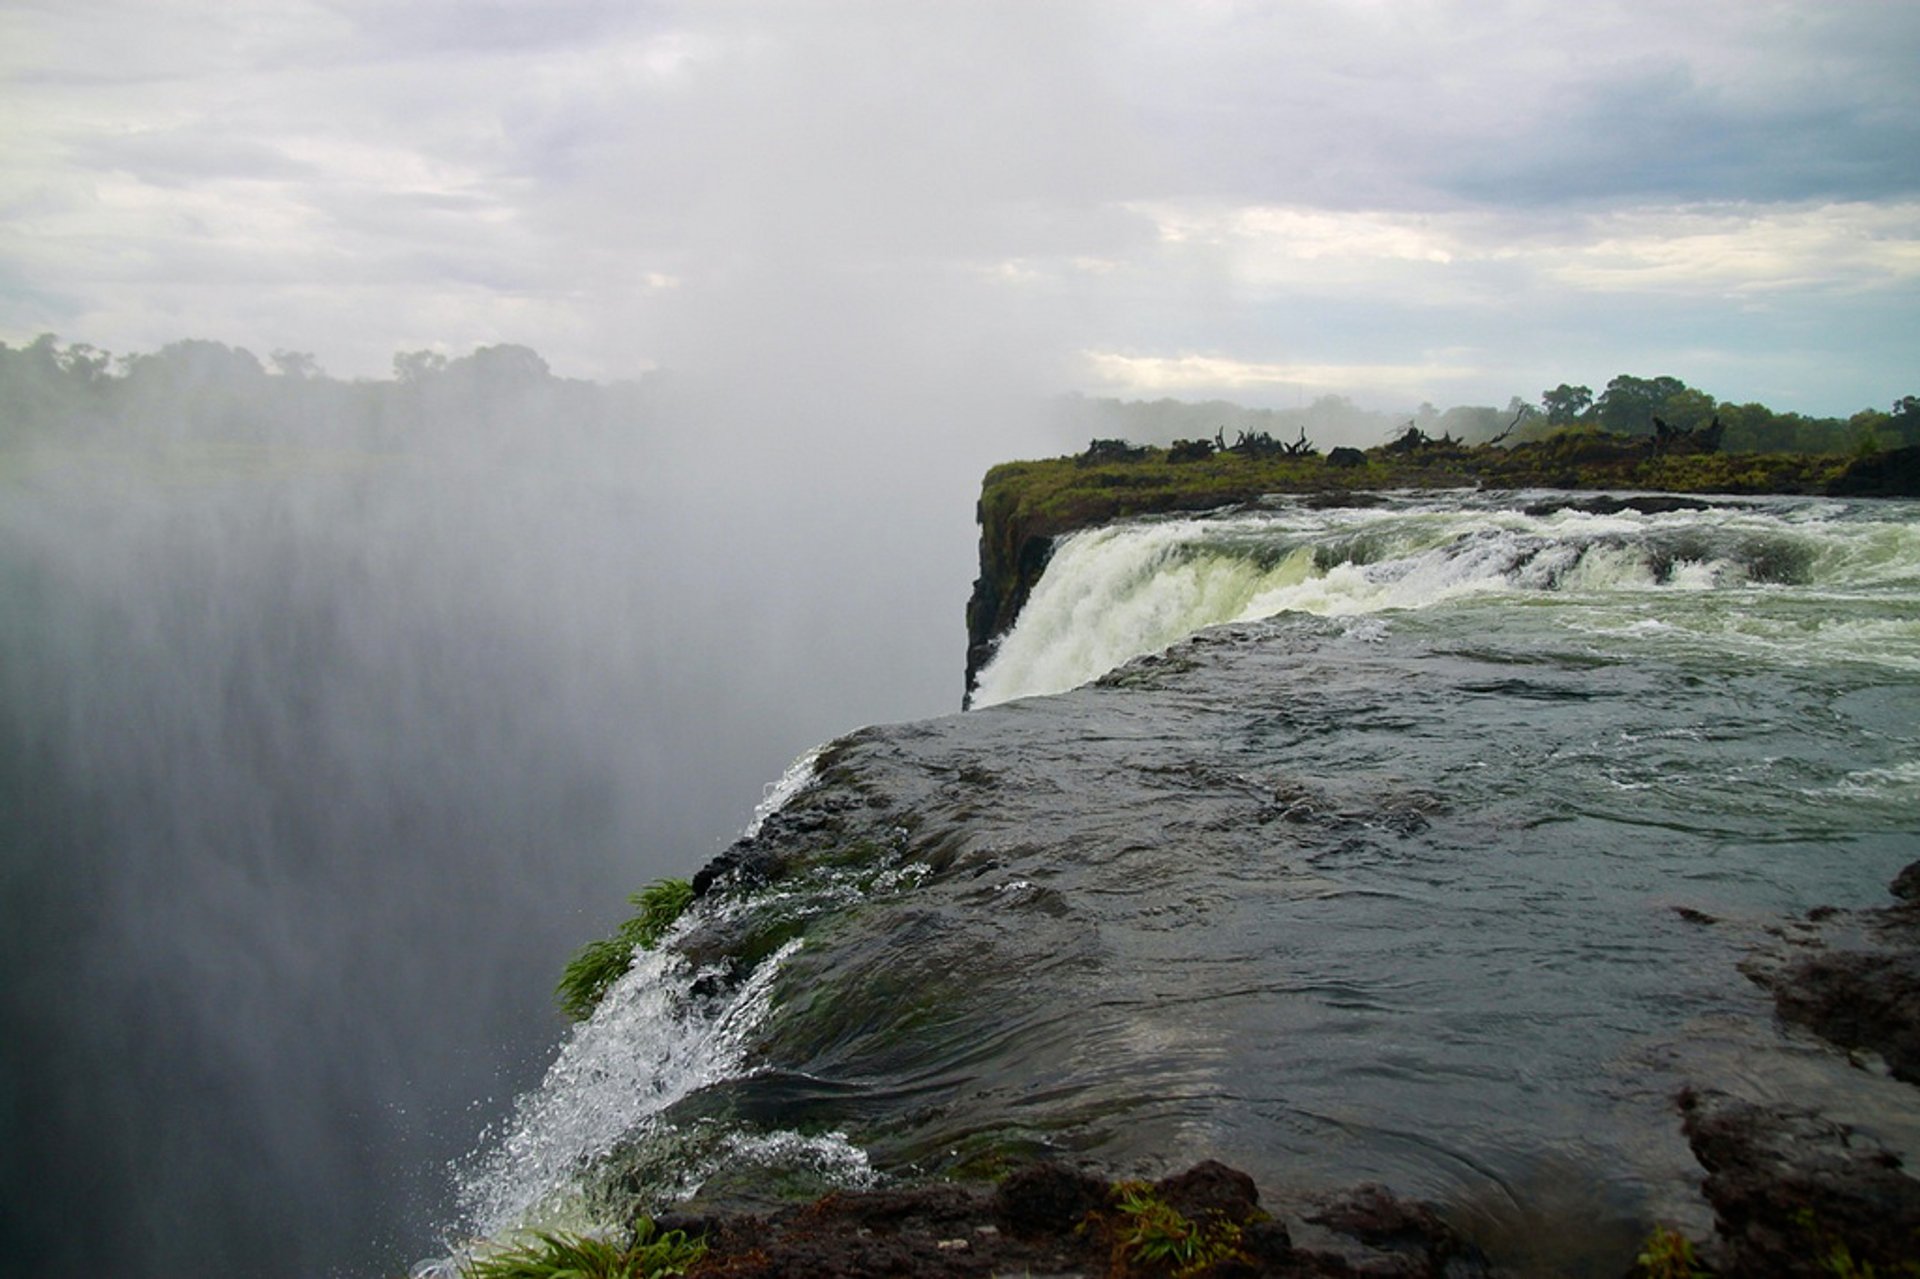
x: 1025, y: 507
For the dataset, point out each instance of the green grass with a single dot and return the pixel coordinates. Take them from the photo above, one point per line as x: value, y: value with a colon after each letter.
x: 1151, y: 1235
x: 1668, y: 1254
x: 1049, y: 496
x: 599, y: 964
x: 560, y: 1256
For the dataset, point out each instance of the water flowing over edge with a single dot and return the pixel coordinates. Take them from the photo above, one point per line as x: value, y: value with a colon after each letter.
x: 675, y: 1026
x: 663, y: 1030
x: 1121, y: 591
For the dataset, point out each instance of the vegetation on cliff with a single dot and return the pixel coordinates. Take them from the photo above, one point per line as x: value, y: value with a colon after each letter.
x: 601, y: 963
x: 649, y: 1254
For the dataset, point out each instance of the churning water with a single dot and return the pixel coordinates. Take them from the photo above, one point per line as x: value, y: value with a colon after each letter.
x: 1377, y: 876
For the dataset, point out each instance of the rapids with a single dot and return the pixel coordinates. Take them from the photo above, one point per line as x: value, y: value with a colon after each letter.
x: 1129, y: 589
x: 1417, y: 842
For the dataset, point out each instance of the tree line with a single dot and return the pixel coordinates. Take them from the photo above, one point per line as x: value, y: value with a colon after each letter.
x: 51, y: 386
x: 1631, y: 405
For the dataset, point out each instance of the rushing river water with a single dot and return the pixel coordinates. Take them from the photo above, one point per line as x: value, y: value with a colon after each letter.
x: 1376, y: 877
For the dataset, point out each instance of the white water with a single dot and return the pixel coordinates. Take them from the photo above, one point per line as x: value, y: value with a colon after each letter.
x: 798, y: 774
x: 650, y: 1042
x: 1119, y: 592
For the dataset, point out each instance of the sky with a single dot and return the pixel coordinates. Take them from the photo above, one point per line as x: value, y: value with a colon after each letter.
x: 1454, y: 201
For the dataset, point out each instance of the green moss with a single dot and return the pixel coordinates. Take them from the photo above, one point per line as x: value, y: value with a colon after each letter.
x: 1832, y: 1254
x: 557, y: 1256
x: 599, y: 964
x: 989, y: 1155
x: 1046, y: 498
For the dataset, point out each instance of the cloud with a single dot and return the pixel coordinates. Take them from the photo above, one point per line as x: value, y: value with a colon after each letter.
x: 1708, y: 249
x: 180, y: 157
x: 1829, y: 248
x: 1712, y: 103
x: 1206, y: 375
x: 1278, y: 182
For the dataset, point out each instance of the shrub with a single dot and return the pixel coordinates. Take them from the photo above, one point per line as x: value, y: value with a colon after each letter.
x: 1667, y: 1254
x: 599, y: 964
x: 559, y: 1256
x: 1152, y: 1233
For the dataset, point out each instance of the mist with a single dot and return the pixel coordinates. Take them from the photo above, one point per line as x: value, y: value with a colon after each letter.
x: 337, y: 711
x: 337, y: 715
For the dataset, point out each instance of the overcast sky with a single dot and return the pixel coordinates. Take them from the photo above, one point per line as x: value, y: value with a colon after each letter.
x: 1401, y: 200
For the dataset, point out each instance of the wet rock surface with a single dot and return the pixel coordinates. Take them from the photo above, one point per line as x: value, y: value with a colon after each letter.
x: 1859, y: 987
x: 1794, y: 1192
x: 1638, y: 503
x: 1049, y: 1219
x: 1859, y: 1000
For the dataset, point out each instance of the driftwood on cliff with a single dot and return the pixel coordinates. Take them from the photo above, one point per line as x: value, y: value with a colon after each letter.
x: 1415, y: 440
x: 1100, y: 451
x: 1525, y: 412
x: 1262, y: 444
x: 1673, y: 440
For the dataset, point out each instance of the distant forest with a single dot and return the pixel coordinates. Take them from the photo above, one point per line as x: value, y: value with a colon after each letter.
x: 46, y: 386
x: 1628, y: 406
x: 211, y: 392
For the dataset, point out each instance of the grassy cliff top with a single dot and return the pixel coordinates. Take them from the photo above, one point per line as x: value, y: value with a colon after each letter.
x: 1061, y: 494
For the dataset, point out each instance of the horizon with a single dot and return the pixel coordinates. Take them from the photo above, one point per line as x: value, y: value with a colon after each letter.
x: 315, y: 369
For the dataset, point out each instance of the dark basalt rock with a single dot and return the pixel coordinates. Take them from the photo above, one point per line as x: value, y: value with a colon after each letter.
x: 1210, y: 1188
x: 1047, y: 1198
x: 1639, y: 503
x: 1792, y: 1192
x: 747, y: 860
x: 1862, y: 998
x: 999, y: 593
x: 1343, y: 500
x: 1858, y: 1000
x: 1050, y: 1219
x: 1411, y: 1232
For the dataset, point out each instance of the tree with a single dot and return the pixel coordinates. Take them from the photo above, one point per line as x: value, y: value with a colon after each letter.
x: 507, y: 364
x: 299, y: 365
x: 417, y: 366
x: 1629, y: 404
x: 1687, y: 409
x: 1565, y: 404
x: 1903, y: 424
x: 1867, y: 431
